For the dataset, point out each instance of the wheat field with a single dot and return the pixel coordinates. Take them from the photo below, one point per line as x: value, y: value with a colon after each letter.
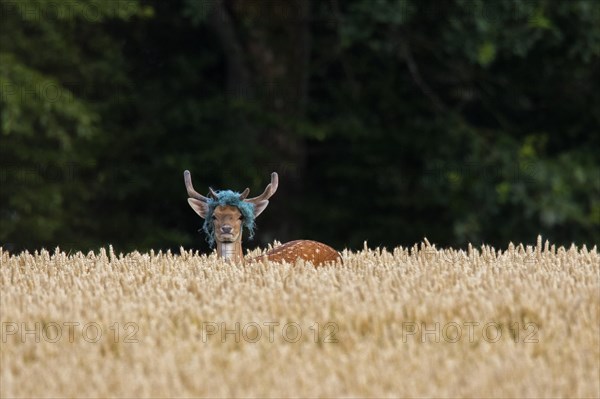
x: 410, y: 322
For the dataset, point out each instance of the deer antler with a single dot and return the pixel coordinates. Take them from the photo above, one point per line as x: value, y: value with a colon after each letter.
x: 213, y: 194
x: 244, y: 194
x: 269, y: 190
x: 187, y: 177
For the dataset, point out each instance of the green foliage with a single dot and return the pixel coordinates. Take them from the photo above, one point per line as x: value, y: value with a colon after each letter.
x: 464, y: 120
x: 55, y: 62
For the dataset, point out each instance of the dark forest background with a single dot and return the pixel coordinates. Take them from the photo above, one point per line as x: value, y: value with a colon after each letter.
x: 387, y: 120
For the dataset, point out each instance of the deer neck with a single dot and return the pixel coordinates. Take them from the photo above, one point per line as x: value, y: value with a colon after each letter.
x: 231, y: 251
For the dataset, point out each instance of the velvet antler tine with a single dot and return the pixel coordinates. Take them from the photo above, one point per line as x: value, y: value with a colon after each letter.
x: 245, y: 193
x: 213, y: 194
x: 187, y: 177
x: 269, y: 190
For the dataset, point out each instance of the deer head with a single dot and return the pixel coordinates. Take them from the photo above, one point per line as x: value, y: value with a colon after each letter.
x: 226, y: 212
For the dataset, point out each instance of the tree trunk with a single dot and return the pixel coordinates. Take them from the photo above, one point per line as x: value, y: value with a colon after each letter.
x: 276, y: 45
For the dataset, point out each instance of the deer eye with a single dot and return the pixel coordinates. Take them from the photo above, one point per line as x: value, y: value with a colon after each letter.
x: 214, y: 217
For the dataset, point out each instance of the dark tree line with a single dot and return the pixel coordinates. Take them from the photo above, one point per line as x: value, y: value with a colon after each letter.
x: 387, y: 120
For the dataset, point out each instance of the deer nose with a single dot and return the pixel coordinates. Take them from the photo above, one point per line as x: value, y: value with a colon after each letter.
x: 226, y: 229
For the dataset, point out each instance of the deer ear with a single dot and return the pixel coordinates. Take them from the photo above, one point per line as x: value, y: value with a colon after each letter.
x: 200, y: 207
x: 259, y: 207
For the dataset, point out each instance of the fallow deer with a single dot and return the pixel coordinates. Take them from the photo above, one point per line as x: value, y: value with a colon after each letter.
x: 226, y: 213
